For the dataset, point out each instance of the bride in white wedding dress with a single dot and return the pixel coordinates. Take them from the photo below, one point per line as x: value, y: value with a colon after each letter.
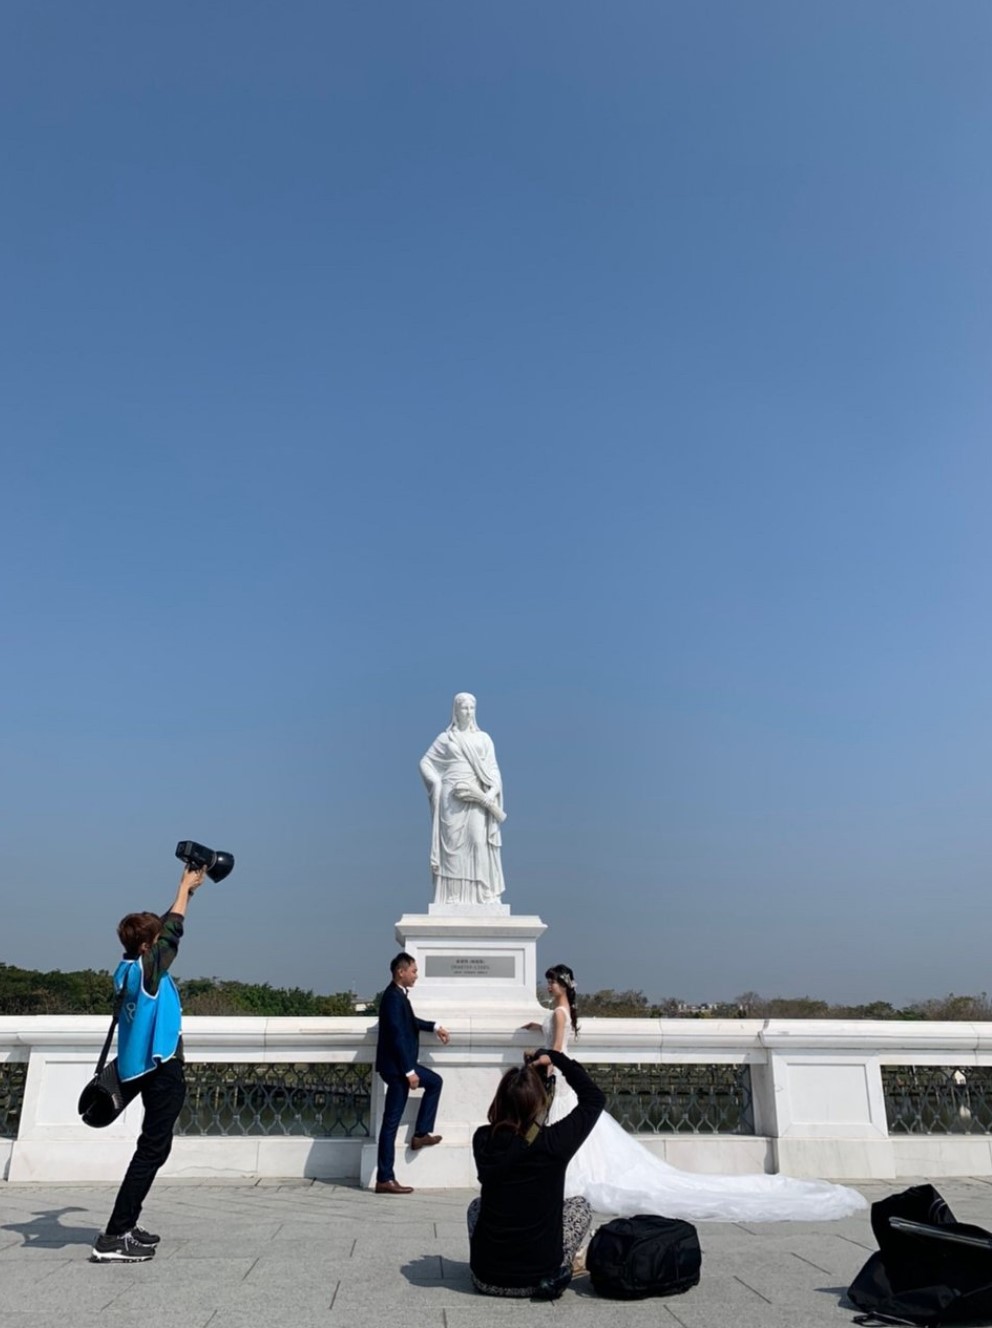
x: 617, y: 1175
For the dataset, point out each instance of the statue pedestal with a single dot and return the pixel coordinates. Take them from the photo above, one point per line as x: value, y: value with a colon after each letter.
x: 472, y: 958
x: 478, y: 976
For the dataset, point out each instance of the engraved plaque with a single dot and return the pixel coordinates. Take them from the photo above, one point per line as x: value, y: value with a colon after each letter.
x: 469, y: 966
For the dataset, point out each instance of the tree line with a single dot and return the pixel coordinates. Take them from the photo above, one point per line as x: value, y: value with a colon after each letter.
x: 26, y: 991
x: 750, y: 1005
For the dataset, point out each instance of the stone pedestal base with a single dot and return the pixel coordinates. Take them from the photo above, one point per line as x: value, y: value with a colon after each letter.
x: 478, y: 975
x: 472, y: 958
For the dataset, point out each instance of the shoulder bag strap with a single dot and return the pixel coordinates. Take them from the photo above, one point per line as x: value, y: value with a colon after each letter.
x: 118, y: 1006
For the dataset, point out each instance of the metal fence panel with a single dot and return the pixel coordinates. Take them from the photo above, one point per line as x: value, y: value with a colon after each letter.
x: 938, y: 1099
x: 317, y: 1101
x: 678, y: 1099
x: 13, y: 1076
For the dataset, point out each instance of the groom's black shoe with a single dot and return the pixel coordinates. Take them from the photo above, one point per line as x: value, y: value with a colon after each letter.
x: 392, y: 1187
x: 424, y: 1141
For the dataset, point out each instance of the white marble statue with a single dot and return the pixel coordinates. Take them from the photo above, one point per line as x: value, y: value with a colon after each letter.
x: 466, y: 793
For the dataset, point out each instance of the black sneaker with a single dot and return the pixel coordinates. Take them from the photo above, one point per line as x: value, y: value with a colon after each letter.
x: 144, y: 1237
x: 120, y: 1249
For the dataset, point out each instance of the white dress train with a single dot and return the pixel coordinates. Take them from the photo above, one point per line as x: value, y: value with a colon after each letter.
x: 619, y: 1176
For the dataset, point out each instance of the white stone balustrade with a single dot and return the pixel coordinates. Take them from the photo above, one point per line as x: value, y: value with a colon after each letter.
x: 817, y: 1088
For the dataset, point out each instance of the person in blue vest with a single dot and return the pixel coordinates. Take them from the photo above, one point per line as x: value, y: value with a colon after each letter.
x: 149, y: 1062
x: 396, y: 1062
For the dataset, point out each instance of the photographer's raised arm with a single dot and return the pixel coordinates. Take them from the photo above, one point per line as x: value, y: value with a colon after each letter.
x: 158, y: 957
x: 567, y: 1135
x: 189, y: 883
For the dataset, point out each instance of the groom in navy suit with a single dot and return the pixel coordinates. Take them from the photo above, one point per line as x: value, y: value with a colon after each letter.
x: 396, y: 1063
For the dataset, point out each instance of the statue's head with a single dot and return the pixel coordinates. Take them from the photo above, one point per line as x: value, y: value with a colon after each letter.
x: 463, y: 712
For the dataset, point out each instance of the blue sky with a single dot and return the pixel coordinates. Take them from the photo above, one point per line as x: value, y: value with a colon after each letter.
x: 625, y: 365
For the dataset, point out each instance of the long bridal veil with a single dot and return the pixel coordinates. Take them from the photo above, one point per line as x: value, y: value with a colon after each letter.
x: 618, y: 1175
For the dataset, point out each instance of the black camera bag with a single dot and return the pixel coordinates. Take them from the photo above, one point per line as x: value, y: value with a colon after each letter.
x: 929, y: 1269
x: 102, y: 1100
x: 631, y: 1258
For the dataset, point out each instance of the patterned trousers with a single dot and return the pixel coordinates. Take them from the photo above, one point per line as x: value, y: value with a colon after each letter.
x: 576, y: 1223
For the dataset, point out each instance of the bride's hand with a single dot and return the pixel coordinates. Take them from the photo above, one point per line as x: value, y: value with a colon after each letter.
x: 531, y: 1028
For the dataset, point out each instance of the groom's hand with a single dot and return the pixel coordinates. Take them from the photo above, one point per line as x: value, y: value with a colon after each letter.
x: 443, y: 1034
x: 413, y: 1079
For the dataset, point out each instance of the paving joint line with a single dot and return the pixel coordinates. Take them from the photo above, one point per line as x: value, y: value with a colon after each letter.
x: 819, y: 1267
x: 851, y: 1241
x: 56, y: 1265
x: 751, y: 1289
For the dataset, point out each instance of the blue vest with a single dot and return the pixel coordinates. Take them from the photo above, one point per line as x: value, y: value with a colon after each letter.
x: 149, y: 1027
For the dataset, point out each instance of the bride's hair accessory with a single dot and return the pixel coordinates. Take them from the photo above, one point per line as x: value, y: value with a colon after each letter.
x: 563, y: 974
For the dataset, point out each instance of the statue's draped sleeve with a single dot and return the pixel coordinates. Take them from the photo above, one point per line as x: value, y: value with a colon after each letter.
x: 437, y: 758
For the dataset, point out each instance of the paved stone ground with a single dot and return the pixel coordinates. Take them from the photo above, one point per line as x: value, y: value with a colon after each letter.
x: 320, y: 1255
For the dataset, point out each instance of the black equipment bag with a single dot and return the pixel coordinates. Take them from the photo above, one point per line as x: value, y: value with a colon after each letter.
x: 634, y: 1257
x: 102, y: 1100
x: 929, y: 1269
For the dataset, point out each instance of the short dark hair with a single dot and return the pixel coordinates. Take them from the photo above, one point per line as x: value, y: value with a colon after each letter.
x: 402, y: 960
x: 520, y: 1099
x: 136, y: 930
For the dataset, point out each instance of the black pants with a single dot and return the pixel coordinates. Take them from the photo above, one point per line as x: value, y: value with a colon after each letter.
x: 576, y: 1225
x: 397, y: 1092
x: 163, y: 1092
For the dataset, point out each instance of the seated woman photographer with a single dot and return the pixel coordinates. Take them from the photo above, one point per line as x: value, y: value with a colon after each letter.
x: 523, y: 1232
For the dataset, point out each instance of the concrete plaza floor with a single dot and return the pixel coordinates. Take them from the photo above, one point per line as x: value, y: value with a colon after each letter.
x: 310, y: 1253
